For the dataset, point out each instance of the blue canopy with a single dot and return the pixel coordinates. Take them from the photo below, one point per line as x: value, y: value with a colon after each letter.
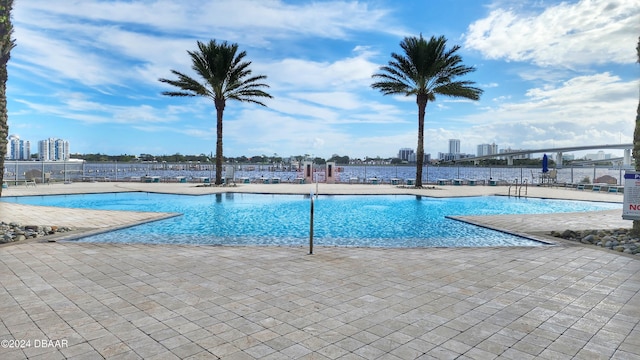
x: 545, y: 164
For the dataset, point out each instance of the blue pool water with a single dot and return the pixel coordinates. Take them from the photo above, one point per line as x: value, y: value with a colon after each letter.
x: 344, y: 220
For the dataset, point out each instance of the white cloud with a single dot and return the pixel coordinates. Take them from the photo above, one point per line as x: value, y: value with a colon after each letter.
x: 333, y: 19
x: 59, y: 60
x: 582, y: 99
x: 585, y: 110
x: 292, y: 107
x: 567, y: 35
x: 76, y: 106
x: 343, y: 74
x: 338, y: 99
x: 96, y: 43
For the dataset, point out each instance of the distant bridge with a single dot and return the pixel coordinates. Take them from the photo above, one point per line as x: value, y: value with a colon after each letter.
x: 626, y: 160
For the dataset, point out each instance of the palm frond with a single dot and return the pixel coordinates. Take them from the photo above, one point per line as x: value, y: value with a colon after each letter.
x: 426, y: 67
x: 224, y: 73
x: 190, y: 86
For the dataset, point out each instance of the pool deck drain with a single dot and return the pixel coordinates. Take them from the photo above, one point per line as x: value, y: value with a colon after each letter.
x: 201, y: 302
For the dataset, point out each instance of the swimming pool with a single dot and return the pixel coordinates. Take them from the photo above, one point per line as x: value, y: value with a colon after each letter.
x: 341, y: 220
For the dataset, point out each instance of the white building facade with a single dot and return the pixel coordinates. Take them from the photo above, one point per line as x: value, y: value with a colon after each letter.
x: 405, y: 153
x: 454, y: 146
x: 53, y: 149
x: 18, y: 149
x: 487, y: 149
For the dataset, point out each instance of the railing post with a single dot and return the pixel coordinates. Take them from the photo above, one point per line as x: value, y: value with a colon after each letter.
x: 311, y: 225
x: 427, y: 170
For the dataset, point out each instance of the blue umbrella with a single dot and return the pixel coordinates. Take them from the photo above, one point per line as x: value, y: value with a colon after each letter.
x: 545, y: 164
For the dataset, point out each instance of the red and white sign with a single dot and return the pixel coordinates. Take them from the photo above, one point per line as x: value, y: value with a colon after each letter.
x: 631, y: 207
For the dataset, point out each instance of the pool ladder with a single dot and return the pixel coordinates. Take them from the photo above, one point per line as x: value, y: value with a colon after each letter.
x: 517, y: 190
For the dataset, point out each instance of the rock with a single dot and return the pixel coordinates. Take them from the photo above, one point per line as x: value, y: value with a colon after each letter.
x: 15, y: 232
x: 608, y: 238
x: 619, y: 240
x: 589, y: 239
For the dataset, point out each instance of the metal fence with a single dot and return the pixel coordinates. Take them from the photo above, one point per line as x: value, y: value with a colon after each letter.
x: 42, y: 171
x: 74, y: 171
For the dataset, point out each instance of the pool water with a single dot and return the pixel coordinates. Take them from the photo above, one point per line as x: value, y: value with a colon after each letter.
x: 342, y: 220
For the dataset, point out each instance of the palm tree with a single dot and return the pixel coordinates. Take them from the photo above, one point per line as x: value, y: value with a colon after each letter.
x: 425, y: 70
x: 6, y: 44
x: 225, y: 76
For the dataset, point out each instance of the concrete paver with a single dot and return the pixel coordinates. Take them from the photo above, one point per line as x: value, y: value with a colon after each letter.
x: 177, y: 301
x: 147, y: 300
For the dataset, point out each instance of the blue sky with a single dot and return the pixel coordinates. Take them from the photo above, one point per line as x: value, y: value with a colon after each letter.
x: 553, y: 73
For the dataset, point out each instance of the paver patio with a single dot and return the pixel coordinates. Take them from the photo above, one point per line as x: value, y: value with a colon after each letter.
x: 162, y: 302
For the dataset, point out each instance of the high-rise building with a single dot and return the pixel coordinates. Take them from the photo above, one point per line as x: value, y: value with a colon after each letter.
x: 13, y: 146
x: 487, y: 149
x: 18, y: 149
x: 53, y: 149
x: 413, y: 158
x: 454, y: 146
x: 404, y: 154
x: 61, y: 149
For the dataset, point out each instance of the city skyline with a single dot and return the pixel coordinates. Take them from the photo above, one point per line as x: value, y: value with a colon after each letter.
x: 59, y: 149
x: 50, y: 148
x: 553, y: 74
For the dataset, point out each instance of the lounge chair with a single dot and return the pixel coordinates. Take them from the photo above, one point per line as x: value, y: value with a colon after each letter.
x: 550, y: 178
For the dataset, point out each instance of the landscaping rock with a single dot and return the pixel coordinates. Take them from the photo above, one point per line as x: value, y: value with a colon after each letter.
x: 617, y: 240
x: 568, y: 234
x: 589, y: 239
x: 10, y: 232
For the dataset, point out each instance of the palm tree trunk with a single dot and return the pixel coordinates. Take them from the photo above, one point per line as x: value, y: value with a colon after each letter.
x: 635, y: 230
x: 6, y: 44
x: 4, y: 121
x: 220, y: 103
x: 421, y: 99
x: 4, y: 118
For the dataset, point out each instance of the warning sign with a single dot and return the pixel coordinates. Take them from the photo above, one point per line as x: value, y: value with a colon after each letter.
x: 631, y: 208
